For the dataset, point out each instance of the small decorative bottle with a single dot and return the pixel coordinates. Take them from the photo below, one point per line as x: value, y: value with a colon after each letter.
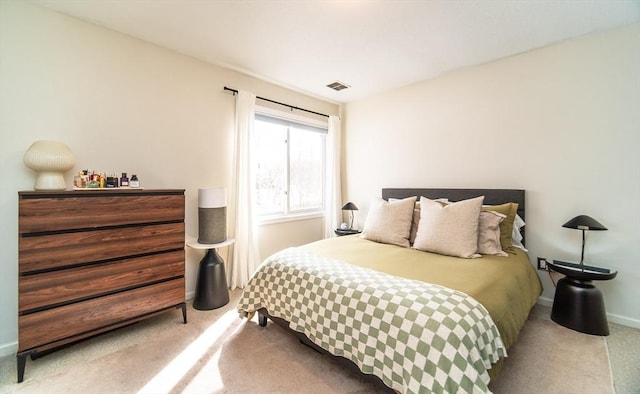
x: 134, y: 182
x: 85, y: 178
x: 77, y: 180
x: 124, y: 181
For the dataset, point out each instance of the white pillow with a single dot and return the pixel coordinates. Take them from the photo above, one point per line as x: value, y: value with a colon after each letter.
x: 389, y: 222
x: 516, y: 235
x: 489, y: 233
x: 451, y: 229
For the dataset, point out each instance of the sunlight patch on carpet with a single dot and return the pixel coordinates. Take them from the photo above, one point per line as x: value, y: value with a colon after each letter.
x: 180, y: 366
x: 208, y: 379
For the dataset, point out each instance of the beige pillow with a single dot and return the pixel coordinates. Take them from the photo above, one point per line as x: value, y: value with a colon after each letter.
x: 414, y: 224
x: 489, y: 233
x: 389, y: 222
x: 509, y: 209
x: 451, y: 229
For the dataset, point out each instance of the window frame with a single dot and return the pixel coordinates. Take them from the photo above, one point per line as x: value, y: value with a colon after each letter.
x: 314, y: 125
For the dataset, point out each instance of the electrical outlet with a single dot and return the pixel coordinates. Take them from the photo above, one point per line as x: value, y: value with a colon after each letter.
x: 542, y: 263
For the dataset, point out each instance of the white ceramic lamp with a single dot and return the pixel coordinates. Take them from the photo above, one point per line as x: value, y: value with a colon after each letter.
x: 50, y: 159
x: 212, y: 215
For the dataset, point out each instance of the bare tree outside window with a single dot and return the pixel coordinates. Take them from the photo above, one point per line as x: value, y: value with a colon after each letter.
x: 290, y: 162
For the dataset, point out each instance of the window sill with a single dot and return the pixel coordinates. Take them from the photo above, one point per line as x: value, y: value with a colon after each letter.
x: 289, y: 218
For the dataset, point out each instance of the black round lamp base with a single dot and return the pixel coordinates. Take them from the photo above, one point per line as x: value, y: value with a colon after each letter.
x: 211, y: 289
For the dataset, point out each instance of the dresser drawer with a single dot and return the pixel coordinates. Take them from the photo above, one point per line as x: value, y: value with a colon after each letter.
x: 60, y: 250
x: 92, y: 261
x: 96, y: 209
x: 41, y: 328
x: 60, y: 287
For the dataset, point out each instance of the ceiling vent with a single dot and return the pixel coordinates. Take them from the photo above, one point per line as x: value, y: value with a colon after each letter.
x: 338, y: 86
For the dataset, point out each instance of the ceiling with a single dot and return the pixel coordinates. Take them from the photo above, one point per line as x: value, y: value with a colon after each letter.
x: 373, y: 46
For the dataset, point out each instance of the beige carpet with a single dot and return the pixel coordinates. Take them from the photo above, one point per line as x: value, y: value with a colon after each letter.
x: 216, y: 352
x: 549, y: 358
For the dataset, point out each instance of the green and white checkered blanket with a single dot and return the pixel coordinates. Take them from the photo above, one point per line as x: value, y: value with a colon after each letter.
x: 415, y: 336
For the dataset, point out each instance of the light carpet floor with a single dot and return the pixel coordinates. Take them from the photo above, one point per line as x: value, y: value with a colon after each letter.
x: 216, y: 352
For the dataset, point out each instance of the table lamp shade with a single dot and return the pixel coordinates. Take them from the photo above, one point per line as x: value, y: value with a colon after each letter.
x: 584, y: 222
x: 212, y: 215
x: 349, y: 207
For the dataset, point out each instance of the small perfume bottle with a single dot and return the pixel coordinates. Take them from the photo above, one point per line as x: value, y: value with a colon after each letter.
x: 124, y: 181
x: 85, y: 178
x: 77, y: 180
x: 94, y: 182
x: 134, y: 182
x: 112, y: 181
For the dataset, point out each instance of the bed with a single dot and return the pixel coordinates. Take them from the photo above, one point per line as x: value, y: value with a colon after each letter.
x: 412, y: 319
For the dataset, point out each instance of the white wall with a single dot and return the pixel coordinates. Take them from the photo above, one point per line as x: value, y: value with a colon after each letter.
x: 120, y: 104
x: 562, y: 122
x: 274, y: 237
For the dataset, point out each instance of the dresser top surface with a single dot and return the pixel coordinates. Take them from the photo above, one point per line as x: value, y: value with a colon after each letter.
x: 95, y: 192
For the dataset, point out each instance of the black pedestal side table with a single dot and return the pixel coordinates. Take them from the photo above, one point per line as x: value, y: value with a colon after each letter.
x: 212, y: 290
x: 577, y: 303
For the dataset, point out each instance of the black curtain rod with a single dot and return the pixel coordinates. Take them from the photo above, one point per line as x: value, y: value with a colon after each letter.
x: 279, y: 103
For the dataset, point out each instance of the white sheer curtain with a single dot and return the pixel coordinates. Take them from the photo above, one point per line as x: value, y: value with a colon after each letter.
x: 246, y: 254
x: 333, y: 213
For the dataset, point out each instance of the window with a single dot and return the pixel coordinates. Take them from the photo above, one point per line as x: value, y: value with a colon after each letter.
x: 289, y: 154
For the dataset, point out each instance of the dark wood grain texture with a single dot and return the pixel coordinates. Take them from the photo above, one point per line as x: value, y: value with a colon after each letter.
x: 65, y: 286
x: 77, y: 318
x: 92, y: 261
x: 68, y: 249
x: 95, y: 209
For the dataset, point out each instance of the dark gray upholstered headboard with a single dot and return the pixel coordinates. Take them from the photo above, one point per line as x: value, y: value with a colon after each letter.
x: 491, y: 196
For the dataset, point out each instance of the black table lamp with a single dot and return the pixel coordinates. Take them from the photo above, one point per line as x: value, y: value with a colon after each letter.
x: 350, y: 207
x: 583, y: 222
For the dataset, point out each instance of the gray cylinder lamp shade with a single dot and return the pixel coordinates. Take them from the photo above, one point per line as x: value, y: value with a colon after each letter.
x: 212, y: 215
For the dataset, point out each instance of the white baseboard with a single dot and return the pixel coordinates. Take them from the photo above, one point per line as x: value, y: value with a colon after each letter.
x: 612, y: 318
x: 7, y: 349
x: 544, y: 301
x: 623, y: 320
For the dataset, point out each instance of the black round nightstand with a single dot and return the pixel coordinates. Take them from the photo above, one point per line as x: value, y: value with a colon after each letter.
x: 577, y: 303
x: 340, y: 232
x: 212, y: 290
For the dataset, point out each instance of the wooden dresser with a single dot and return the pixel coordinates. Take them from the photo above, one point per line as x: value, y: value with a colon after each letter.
x: 92, y: 261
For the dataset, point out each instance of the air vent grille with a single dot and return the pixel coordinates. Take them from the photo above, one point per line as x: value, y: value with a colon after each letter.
x: 338, y: 86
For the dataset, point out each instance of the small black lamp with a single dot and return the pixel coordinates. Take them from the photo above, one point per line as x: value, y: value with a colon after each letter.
x: 350, y: 207
x: 584, y: 222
